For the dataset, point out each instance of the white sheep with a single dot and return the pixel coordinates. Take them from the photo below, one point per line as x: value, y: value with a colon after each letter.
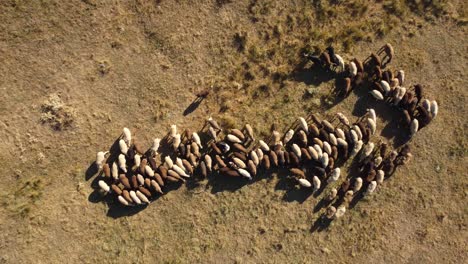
x: 303, y: 124
x: 122, y: 163
x: 296, y: 150
x: 140, y: 179
x: 340, y: 133
x: 313, y: 153
x: 401, y: 76
x: 341, y: 64
x: 372, y: 125
x: 377, y: 95
x: 122, y: 200
x: 333, y: 139
x: 304, y: 183
x: 208, y: 162
x: 371, y: 188
x: 168, y: 161
x: 316, y: 181
x: 276, y: 138
x: 213, y: 123
x: 123, y: 146
x: 173, y: 131
x: 342, y: 142
x: 325, y: 160
x: 196, y: 139
x: 327, y: 147
x: 358, y: 131
x: 137, y: 160
x: 288, y: 136
x: 414, y: 126
x: 352, y: 69
x: 155, y: 146
x: 103, y: 185
x: 366, y: 151
x: 142, y: 197
x: 340, y: 211
x: 135, y: 197
x: 180, y: 171
x: 259, y: 154
x: 378, y: 160
x: 115, y: 171
x: 335, y: 175
x: 156, y: 186
x: 357, y: 147
x: 239, y: 163
x: 380, y: 176
x: 233, y: 139
x: 357, y: 184
x: 254, y: 157
x: 176, y: 141
x: 354, y: 136
x: 319, y: 151
x: 100, y: 157
x: 426, y: 104
x: 371, y: 114
x: 244, y: 173
x: 264, y: 146
x: 180, y: 164
x: 149, y: 171
x: 127, y: 136
x: 434, y: 108
x: 386, y: 87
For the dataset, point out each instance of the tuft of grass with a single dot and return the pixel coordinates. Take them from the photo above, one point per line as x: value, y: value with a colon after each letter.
x: 228, y: 122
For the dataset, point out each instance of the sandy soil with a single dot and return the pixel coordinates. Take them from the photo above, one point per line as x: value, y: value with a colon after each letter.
x: 73, y: 73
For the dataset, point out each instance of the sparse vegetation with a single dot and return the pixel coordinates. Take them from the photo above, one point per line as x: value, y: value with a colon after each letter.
x: 56, y: 113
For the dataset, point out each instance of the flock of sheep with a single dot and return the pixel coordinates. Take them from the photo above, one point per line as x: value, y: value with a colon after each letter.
x: 312, y: 150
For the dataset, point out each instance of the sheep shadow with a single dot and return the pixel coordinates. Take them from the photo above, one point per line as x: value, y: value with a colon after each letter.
x: 314, y: 75
x: 321, y: 224
x: 193, y: 106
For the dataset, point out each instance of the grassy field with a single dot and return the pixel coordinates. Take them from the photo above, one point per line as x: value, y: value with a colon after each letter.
x: 74, y: 73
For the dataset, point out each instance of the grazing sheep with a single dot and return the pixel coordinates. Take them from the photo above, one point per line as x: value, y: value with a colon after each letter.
x: 106, y: 170
x: 340, y: 211
x: 103, y: 185
x: 319, y: 151
x: 180, y: 164
x: 378, y: 161
x: 122, y: 163
x: 276, y: 138
x: 357, y: 184
x: 238, y: 134
x: 203, y: 169
x: 354, y: 136
x: 137, y: 160
x: 313, y: 130
x: 342, y: 142
x: 127, y: 136
x: 357, y: 147
x: 264, y: 146
x: 316, y: 181
x: 371, y: 114
x: 372, y: 126
x: 303, y: 137
x: 249, y: 130
x: 239, y: 163
x: 304, y: 183
x: 377, y: 95
x: 180, y: 171
x: 414, y: 127
x: 140, y: 179
x: 367, y: 151
x: 335, y: 175
x: 313, y: 153
x: 168, y: 161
